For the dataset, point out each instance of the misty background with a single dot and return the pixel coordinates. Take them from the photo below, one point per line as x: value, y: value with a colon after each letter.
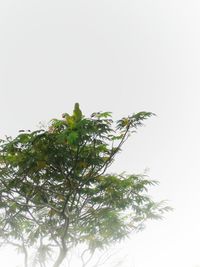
x: 122, y: 56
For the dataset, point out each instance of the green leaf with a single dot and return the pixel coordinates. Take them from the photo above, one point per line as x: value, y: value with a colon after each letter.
x: 72, y: 137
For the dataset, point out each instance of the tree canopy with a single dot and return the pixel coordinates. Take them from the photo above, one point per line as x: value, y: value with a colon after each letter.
x: 56, y: 193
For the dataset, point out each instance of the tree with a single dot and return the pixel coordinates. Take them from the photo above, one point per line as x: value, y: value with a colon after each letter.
x: 56, y: 192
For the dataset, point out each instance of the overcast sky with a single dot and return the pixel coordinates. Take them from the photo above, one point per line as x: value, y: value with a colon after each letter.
x: 122, y: 56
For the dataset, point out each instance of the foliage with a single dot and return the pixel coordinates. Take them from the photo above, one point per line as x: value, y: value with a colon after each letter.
x: 55, y: 191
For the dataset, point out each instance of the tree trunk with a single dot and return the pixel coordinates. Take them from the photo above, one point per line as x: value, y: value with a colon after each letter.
x: 26, y: 260
x: 60, y: 258
x: 25, y: 256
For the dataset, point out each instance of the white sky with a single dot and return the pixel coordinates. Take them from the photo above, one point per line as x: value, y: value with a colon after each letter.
x: 121, y: 56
